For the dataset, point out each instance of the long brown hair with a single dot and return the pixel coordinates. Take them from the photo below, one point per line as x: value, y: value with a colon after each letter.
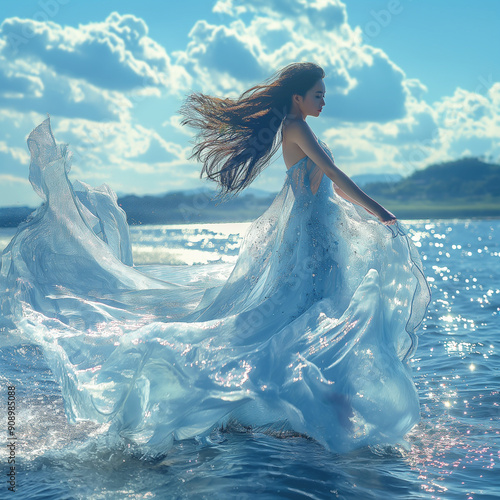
x: 236, y: 138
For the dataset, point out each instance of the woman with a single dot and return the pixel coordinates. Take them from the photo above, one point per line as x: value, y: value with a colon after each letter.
x: 311, y: 332
x: 237, y: 138
x: 235, y: 141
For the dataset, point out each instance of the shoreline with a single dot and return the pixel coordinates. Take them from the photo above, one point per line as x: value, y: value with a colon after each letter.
x: 403, y: 211
x: 402, y: 217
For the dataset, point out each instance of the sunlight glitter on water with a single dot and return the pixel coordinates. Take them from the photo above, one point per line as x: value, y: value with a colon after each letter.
x: 456, y: 445
x: 455, y: 450
x: 187, y: 244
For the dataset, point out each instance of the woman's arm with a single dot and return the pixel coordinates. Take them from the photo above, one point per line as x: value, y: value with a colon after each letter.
x: 348, y: 198
x: 300, y: 133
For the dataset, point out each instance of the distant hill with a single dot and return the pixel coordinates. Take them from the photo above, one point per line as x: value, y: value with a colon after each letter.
x: 191, y: 207
x: 467, y: 187
x: 364, y: 179
x: 211, y: 191
x: 13, y: 216
x: 182, y: 207
x: 468, y: 178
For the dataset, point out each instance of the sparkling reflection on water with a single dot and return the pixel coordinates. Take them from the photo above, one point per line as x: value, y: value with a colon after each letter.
x: 452, y: 454
x: 457, y: 367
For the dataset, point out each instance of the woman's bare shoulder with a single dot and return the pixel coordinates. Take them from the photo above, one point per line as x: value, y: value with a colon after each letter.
x: 295, y: 124
x: 293, y: 128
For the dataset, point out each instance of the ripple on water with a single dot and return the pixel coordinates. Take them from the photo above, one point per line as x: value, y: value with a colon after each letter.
x: 454, y: 453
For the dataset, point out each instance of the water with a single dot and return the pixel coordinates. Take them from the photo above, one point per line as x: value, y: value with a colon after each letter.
x: 452, y: 454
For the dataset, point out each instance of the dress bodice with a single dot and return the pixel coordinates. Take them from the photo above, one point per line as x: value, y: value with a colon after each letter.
x: 307, y: 179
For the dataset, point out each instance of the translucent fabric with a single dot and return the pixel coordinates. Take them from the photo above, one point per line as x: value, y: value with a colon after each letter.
x: 311, y: 331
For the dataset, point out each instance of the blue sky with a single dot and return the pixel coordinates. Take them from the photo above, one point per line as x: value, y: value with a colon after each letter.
x: 409, y: 82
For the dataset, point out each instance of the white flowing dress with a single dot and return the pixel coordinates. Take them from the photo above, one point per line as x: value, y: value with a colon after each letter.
x: 311, y: 331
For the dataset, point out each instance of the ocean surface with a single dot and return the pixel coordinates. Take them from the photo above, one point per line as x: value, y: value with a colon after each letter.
x: 453, y: 453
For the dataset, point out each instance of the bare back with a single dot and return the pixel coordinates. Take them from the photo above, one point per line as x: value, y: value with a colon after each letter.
x: 291, y: 151
x: 292, y: 154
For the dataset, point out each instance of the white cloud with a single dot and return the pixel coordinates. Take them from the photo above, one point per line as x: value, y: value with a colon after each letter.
x: 130, y: 158
x: 378, y: 94
x: 120, y: 144
x: 325, y: 14
x: 376, y: 110
x: 419, y: 125
x: 12, y: 178
x: 17, y: 154
x: 222, y: 59
x: 63, y: 96
x: 115, y: 54
x: 16, y: 85
x: 93, y: 78
x: 158, y: 150
x: 15, y: 188
x: 174, y: 122
x: 464, y: 124
x: 470, y: 122
x: 381, y: 119
x: 362, y: 83
x: 96, y: 71
x: 16, y: 191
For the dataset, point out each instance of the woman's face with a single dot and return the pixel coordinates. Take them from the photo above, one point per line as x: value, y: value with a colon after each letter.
x: 314, y: 100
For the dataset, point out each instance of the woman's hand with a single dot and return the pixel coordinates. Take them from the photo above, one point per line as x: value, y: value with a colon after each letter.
x: 386, y: 217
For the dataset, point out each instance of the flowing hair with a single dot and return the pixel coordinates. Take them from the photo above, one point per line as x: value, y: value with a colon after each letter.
x: 236, y: 138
